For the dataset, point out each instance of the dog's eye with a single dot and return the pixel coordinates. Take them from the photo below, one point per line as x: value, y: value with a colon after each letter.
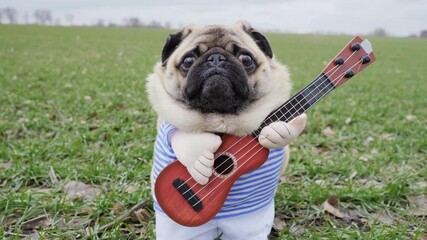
x: 247, y: 61
x: 187, y: 63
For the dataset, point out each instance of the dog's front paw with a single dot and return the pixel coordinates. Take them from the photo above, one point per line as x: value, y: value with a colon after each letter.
x: 280, y: 134
x: 201, y: 170
x: 195, y: 150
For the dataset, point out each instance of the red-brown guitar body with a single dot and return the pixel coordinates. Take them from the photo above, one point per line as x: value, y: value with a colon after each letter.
x: 235, y: 151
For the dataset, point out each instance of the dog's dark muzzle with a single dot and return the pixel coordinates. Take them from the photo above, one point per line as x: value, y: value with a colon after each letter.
x: 217, y: 84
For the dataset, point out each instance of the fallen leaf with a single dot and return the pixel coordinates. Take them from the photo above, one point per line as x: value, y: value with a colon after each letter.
x: 93, y: 127
x: 120, y: 106
x: 51, y: 134
x: 319, y: 149
x: 87, y: 98
x: 96, y: 146
x: 374, y: 151
x: 331, y: 207
x: 52, y: 175
x: 420, y: 185
x: 132, y: 188
x: 118, y: 209
x: 279, y: 224
x: 362, y: 181
x: 3, y: 182
x: 353, y: 174
x: 135, y: 228
x: 387, y: 137
x: 93, y: 115
x: 37, y: 222
x: 418, y: 205
x: 141, y: 215
x: 383, y: 218
x: 78, y: 222
x: 368, y: 140
x: 296, y: 229
x: 75, y: 189
x: 52, y: 116
x: 333, y: 200
x: 347, y: 121
x: 328, y: 132
x: 33, y: 236
x: 40, y: 190
x: 6, y: 165
x: 411, y: 118
x: 86, y: 210
x: 284, y: 179
x: 320, y: 182
x: 23, y: 120
x: 370, y: 182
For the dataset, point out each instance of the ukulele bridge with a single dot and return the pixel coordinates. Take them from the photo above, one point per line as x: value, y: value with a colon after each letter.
x: 188, y: 194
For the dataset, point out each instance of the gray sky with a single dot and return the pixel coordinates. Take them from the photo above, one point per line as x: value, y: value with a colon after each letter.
x: 397, y: 17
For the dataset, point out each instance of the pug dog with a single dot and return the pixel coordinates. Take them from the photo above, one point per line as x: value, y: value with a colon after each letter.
x: 220, y: 79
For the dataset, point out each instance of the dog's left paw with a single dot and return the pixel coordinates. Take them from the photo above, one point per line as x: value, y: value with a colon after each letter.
x: 280, y: 134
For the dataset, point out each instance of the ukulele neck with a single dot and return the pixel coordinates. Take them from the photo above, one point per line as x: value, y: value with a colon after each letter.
x: 300, y: 102
x: 352, y: 59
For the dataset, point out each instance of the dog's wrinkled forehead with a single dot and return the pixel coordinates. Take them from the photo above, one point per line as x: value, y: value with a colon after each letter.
x: 205, y: 37
x: 213, y: 36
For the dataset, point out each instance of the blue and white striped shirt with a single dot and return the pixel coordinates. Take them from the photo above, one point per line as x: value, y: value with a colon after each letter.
x: 251, y: 191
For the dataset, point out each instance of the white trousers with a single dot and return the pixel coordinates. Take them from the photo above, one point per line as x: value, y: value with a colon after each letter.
x: 253, y: 226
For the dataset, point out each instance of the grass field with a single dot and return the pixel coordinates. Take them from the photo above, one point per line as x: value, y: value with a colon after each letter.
x: 73, y: 107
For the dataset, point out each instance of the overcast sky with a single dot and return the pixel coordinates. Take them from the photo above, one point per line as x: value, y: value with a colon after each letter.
x: 397, y: 17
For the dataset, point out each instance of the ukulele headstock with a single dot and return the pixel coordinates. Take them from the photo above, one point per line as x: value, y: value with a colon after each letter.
x: 352, y: 59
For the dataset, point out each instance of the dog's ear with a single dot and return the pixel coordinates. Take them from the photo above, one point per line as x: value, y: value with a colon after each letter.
x: 171, y: 44
x: 262, y: 42
x: 259, y: 39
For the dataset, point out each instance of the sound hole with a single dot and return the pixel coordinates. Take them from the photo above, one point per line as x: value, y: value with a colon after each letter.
x: 223, y: 164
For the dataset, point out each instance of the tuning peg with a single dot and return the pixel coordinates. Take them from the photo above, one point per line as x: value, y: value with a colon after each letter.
x: 339, y: 61
x: 349, y: 73
x: 356, y: 46
x: 366, y: 59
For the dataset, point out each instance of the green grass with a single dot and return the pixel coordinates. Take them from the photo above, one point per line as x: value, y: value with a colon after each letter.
x: 74, y: 99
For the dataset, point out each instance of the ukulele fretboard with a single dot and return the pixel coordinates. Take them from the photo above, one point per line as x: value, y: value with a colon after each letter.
x: 300, y: 102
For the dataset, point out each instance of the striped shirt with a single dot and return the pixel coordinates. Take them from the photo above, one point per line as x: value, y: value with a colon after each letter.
x: 250, y: 192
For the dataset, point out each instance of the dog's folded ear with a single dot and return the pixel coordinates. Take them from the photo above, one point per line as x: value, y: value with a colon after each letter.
x: 262, y: 42
x: 171, y: 44
x: 259, y: 39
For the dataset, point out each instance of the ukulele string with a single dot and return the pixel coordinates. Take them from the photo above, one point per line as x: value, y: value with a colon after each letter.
x: 312, y: 83
x: 335, y: 68
x: 341, y: 76
x: 323, y: 78
x: 252, y: 196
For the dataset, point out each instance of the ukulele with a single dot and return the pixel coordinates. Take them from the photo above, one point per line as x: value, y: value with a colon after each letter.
x: 191, y: 204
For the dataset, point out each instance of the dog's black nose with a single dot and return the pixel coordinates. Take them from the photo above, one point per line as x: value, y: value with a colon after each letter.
x: 216, y: 60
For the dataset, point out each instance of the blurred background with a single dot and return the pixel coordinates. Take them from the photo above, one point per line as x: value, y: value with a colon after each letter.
x: 401, y: 18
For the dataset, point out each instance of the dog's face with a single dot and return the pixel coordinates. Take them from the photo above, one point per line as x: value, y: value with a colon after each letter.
x: 216, y: 81
x: 214, y: 74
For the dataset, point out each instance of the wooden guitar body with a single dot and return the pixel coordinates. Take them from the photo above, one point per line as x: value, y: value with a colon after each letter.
x: 193, y: 207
